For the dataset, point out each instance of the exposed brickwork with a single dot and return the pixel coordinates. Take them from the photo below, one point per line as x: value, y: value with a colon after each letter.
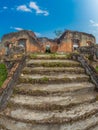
x: 65, y: 47
x: 73, y: 39
x: 68, y: 42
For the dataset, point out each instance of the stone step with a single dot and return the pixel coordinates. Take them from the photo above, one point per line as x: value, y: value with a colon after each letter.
x: 94, y: 126
x: 49, y: 79
x: 49, y: 56
x: 90, y: 123
x: 52, y: 63
x: 74, y: 114
x: 52, y: 70
x: 2, y: 127
x: 49, y: 103
x: 85, y: 124
x: 54, y: 89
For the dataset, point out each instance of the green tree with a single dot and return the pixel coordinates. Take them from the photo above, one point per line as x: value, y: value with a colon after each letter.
x: 58, y: 33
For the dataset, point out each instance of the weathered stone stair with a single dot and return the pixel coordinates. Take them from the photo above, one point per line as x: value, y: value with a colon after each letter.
x: 53, y: 93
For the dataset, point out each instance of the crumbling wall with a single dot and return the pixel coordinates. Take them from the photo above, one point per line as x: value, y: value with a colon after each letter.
x: 71, y: 38
x: 31, y: 44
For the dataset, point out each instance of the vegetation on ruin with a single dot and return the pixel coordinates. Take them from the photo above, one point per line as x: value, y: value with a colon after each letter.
x: 33, y: 56
x: 58, y: 33
x: 96, y: 68
x: 55, y: 64
x: 49, y: 56
x: 3, y: 73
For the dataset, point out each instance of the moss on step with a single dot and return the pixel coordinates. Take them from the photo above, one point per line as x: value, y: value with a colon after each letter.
x: 54, y: 64
x: 33, y: 56
x: 47, y: 80
x: 49, y: 71
x: 49, y: 56
x: 31, y: 93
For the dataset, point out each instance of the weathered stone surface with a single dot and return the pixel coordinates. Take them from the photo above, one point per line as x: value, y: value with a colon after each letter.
x: 68, y: 42
x: 54, y: 89
x: 53, y: 105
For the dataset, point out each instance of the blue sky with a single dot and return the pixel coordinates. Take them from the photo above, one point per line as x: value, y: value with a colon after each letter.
x: 45, y: 16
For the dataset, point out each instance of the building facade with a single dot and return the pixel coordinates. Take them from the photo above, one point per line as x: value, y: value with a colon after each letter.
x: 68, y: 42
x: 71, y: 40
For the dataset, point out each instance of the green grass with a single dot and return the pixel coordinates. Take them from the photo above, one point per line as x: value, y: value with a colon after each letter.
x: 48, y: 55
x: 96, y: 68
x: 3, y: 73
x: 34, y: 56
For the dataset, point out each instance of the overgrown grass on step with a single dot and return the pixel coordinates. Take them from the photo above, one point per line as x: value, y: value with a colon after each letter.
x: 33, y: 56
x: 3, y: 73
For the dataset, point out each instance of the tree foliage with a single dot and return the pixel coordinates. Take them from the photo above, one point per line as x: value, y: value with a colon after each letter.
x: 58, y: 33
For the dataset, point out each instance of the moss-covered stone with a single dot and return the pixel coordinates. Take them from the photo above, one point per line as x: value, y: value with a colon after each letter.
x: 47, y: 80
x: 55, y: 64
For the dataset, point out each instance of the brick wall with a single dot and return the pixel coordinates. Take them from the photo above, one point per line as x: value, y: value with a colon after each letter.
x: 31, y: 47
x: 65, y: 47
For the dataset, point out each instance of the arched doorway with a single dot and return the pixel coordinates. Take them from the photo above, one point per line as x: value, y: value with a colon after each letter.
x: 76, y: 44
x: 22, y: 44
x: 48, y: 49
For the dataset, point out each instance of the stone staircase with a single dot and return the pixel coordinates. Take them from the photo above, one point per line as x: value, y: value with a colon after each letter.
x: 53, y: 93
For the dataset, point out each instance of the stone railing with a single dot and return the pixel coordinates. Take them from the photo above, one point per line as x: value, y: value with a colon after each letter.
x: 91, y: 51
x: 7, y: 87
x: 88, y: 68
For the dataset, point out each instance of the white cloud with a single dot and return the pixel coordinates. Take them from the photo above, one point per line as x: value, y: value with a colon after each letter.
x: 16, y: 28
x: 34, y: 6
x: 29, y: 8
x: 24, y: 8
x: 5, y: 7
x: 93, y: 23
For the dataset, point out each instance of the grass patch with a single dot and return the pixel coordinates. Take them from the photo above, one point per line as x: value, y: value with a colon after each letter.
x: 96, y: 68
x: 54, y: 64
x: 3, y: 73
x: 33, y: 56
x: 45, y: 79
x: 49, y: 56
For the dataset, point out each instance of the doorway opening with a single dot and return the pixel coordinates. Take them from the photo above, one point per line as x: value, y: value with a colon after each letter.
x: 76, y: 44
x: 48, y: 49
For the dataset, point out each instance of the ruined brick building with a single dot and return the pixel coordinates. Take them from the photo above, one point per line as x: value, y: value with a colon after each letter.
x: 70, y: 40
x: 67, y: 42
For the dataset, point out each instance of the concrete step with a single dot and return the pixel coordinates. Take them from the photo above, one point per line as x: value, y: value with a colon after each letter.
x: 84, y: 124
x: 49, y: 79
x: 49, y: 103
x: 52, y: 70
x: 54, y: 89
x: 49, y: 56
x: 94, y: 127
x: 52, y: 63
x: 3, y: 127
x: 74, y: 114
